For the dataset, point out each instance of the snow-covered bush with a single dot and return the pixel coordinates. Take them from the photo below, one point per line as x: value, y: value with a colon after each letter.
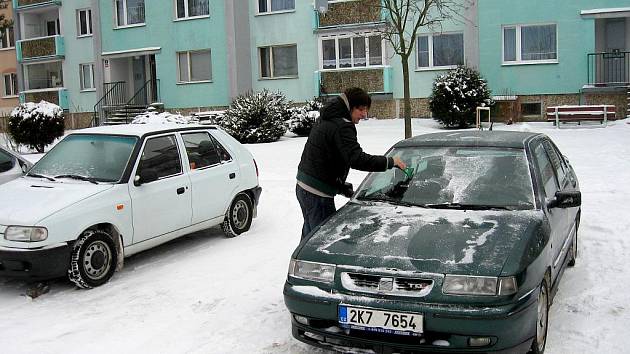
x: 257, y: 117
x: 456, y: 96
x: 36, y: 125
x: 151, y: 116
x: 303, y: 117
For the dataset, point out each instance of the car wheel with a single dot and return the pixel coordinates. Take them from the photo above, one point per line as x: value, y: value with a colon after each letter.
x: 93, y: 260
x: 238, y: 218
x: 574, y: 246
x: 542, y: 319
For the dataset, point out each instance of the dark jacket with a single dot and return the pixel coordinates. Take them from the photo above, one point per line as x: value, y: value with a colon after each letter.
x: 332, y: 149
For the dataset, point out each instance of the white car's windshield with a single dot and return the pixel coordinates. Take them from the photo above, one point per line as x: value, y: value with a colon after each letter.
x: 100, y: 158
x: 458, y: 177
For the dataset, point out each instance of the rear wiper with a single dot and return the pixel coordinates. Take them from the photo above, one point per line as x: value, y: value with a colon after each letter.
x: 79, y: 177
x: 461, y: 206
x: 41, y: 176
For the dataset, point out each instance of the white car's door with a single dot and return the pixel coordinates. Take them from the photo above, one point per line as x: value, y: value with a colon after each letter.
x: 213, y: 175
x: 164, y: 205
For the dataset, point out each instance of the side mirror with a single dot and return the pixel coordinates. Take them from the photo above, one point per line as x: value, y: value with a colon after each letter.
x: 566, y: 199
x: 145, y: 175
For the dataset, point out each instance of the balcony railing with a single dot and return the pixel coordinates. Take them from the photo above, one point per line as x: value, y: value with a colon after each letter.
x: 609, y: 69
x: 58, y: 96
x: 349, y: 13
x: 23, y: 4
x: 38, y: 48
x: 374, y: 80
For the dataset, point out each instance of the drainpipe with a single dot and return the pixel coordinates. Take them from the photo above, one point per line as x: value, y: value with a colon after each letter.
x: 97, y: 45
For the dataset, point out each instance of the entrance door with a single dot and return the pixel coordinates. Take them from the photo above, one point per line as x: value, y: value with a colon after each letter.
x: 615, y: 59
x: 139, y: 79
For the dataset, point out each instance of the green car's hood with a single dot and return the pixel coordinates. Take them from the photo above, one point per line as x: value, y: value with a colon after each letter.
x: 417, y: 239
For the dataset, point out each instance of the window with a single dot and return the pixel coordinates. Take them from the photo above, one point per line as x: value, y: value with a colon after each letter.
x: 192, y: 8
x: 278, y: 61
x: 10, y: 85
x: 84, y: 22
x: 535, y: 43
x: 201, y: 150
x: 531, y: 109
x: 87, y: 77
x: 266, y: 6
x: 440, y: 50
x: 129, y: 12
x: 557, y: 162
x: 7, y: 162
x: 161, y: 154
x: 7, y: 40
x: 546, y: 170
x: 194, y: 66
x: 43, y: 75
x: 339, y: 52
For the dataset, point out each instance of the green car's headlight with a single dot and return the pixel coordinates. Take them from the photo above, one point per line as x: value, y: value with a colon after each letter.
x: 320, y: 272
x: 25, y: 233
x: 480, y: 286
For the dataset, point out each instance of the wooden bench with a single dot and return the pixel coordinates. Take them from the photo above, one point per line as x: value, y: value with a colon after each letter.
x: 564, y: 114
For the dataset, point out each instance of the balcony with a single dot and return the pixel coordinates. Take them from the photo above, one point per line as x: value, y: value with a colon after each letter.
x: 27, y: 4
x: 349, y: 13
x: 58, y: 96
x: 40, y: 48
x: 373, y: 80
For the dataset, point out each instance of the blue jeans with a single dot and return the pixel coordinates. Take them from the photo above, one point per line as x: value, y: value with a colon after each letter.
x: 315, y: 209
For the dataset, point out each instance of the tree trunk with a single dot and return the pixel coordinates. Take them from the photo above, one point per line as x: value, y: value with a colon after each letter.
x: 406, y: 98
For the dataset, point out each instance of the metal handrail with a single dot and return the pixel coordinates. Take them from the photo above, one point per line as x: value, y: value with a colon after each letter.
x: 117, y: 88
x: 608, y: 68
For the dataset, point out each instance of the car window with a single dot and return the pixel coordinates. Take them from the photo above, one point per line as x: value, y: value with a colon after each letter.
x: 162, y: 155
x: 223, y: 153
x: 546, y: 169
x: 556, y: 161
x: 201, y: 150
x: 6, y: 161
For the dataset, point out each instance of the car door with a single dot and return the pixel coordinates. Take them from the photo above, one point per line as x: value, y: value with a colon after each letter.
x: 164, y: 205
x: 213, y: 175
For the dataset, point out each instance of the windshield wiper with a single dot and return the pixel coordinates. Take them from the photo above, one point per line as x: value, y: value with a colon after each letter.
x: 41, y: 176
x: 79, y: 177
x: 461, y: 206
x: 390, y: 201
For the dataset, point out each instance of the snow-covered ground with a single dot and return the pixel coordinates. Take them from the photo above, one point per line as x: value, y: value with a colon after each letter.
x: 207, y: 294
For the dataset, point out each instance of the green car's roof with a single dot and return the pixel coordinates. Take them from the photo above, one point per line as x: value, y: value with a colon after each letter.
x: 504, y: 139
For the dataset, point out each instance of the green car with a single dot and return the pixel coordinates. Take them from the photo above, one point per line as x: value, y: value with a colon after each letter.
x: 462, y: 252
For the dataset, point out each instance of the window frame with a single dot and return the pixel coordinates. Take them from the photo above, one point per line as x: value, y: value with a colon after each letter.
x: 351, y: 36
x: 430, y: 38
x: 89, y: 23
x: 270, y: 12
x: 127, y: 25
x: 519, y: 55
x: 188, y: 59
x: 10, y: 34
x: 271, y: 67
x: 81, y: 78
x: 187, y: 16
x: 179, y: 155
x: 14, y: 88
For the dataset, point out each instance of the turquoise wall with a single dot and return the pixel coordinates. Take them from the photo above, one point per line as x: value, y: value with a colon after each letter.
x: 172, y: 36
x: 575, y: 36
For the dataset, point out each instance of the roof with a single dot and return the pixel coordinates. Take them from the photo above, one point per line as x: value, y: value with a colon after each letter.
x: 141, y: 130
x: 506, y: 139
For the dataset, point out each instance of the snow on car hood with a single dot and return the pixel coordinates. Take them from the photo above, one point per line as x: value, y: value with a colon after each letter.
x: 26, y: 201
x: 417, y: 239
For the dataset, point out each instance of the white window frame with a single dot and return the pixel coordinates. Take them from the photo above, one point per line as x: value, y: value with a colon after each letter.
x: 126, y: 25
x: 15, y: 89
x: 271, y: 69
x: 430, y: 42
x: 6, y: 33
x: 186, y: 16
x: 337, y: 37
x: 188, y: 52
x: 519, y: 60
x: 87, y: 89
x: 88, y: 17
x: 258, y: 13
x: 27, y: 74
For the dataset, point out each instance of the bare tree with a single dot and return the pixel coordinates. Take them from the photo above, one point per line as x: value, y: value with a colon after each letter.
x: 404, y: 19
x: 4, y: 22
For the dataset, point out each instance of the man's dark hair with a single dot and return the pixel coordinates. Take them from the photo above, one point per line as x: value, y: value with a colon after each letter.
x: 357, y: 97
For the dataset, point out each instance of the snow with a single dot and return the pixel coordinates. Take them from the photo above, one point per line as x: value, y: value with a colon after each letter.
x: 153, y: 117
x: 205, y: 293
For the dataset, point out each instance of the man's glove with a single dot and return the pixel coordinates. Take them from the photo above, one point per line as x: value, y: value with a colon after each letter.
x: 347, y: 190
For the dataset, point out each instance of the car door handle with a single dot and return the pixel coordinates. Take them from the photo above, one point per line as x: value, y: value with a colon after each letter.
x: 181, y: 190
x: 232, y: 175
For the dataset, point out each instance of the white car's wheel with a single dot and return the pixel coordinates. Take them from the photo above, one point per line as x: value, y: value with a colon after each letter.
x: 239, y: 216
x: 93, y: 260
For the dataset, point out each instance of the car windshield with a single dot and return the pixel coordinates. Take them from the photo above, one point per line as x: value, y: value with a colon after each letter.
x: 97, y: 157
x: 454, y: 177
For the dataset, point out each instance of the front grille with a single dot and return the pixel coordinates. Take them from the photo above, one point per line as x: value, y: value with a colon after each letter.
x: 389, y: 285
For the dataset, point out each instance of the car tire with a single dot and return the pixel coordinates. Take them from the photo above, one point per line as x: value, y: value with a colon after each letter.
x: 239, y: 216
x: 542, y: 319
x: 574, y: 245
x: 93, y: 260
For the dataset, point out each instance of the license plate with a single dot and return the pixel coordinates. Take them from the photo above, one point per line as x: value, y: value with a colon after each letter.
x: 380, y: 321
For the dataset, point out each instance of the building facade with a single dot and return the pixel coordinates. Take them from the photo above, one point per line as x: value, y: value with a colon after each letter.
x: 8, y: 67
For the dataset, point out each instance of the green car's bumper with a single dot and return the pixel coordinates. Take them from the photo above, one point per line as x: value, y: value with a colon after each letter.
x: 447, y: 328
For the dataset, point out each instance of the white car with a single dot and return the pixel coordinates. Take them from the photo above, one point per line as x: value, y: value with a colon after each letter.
x: 102, y: 194
x: 12, y: 165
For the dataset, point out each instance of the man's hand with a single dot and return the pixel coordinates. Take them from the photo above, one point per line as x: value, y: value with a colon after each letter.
x: 399, y: 163
x: 347, y: 190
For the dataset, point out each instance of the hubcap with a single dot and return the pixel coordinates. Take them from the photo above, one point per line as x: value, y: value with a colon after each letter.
x: 240, y: 214
x: 541, y: 325
x: 97, y: 260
